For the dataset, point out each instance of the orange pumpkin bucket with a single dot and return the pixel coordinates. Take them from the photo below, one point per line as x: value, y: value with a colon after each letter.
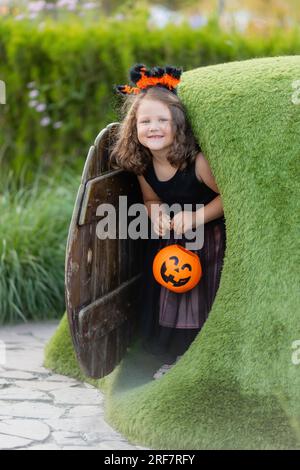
x: 177, y: 268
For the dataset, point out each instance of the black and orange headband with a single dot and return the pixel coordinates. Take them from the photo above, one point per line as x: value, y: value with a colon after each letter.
x: 144, y: 78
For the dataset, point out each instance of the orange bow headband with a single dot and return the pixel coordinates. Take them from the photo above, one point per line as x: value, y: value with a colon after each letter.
x: 168, y: 78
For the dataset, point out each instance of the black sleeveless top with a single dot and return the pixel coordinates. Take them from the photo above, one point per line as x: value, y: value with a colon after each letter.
x: 183, y: 188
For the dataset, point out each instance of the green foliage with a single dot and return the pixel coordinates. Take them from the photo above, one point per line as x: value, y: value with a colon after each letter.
x: 33, y: 233
x: 74, y: 67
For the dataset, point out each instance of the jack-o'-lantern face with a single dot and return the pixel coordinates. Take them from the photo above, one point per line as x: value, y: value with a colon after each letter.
x: 177, y: 268
x: 172, y: 272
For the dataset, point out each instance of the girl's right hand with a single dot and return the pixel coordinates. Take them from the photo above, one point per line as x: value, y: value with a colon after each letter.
x: 162, y: 224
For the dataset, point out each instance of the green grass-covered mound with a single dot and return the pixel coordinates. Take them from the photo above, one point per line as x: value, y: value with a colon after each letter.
x: 238, y: 384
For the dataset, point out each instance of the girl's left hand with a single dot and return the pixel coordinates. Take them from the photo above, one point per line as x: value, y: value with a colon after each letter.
x: 183, y: 221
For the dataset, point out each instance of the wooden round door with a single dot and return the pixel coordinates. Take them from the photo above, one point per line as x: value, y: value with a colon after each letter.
x: 102, y: 276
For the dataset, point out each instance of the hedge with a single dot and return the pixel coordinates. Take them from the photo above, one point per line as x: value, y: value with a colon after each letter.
x: 71, y: 68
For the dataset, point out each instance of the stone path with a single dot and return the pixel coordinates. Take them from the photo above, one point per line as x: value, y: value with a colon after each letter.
x: 42, y: 410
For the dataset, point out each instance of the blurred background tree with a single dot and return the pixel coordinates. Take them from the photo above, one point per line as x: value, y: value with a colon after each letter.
x: 282, y: 13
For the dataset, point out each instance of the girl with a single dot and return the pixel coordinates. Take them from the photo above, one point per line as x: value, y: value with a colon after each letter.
x: 155, y: 141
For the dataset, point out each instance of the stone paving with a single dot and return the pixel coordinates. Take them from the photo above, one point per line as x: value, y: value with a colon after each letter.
x: 41, y: 410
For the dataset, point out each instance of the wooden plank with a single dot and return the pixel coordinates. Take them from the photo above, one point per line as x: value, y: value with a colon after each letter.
x: 106, y: 328
x: 105, y: 189
x: 110, y: 311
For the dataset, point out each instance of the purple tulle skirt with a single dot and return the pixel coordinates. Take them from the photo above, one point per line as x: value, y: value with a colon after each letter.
x: 170, y: 321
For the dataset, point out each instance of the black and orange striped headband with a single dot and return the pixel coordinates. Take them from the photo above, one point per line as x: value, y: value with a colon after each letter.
x: 144, y: 78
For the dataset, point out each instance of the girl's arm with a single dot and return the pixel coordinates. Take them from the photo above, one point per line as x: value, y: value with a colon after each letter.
x: 211, y: 211
x: 151, y: 200
x: 214, y: 209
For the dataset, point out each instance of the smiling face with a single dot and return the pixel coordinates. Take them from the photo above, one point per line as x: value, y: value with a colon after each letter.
x: 154, y: 126
x: 177, y: 268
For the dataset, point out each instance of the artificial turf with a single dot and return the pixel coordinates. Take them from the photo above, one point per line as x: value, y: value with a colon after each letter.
x: 237, y: 386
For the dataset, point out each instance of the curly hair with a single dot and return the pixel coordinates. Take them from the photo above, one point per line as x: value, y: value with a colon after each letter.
x: 129, y: 154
